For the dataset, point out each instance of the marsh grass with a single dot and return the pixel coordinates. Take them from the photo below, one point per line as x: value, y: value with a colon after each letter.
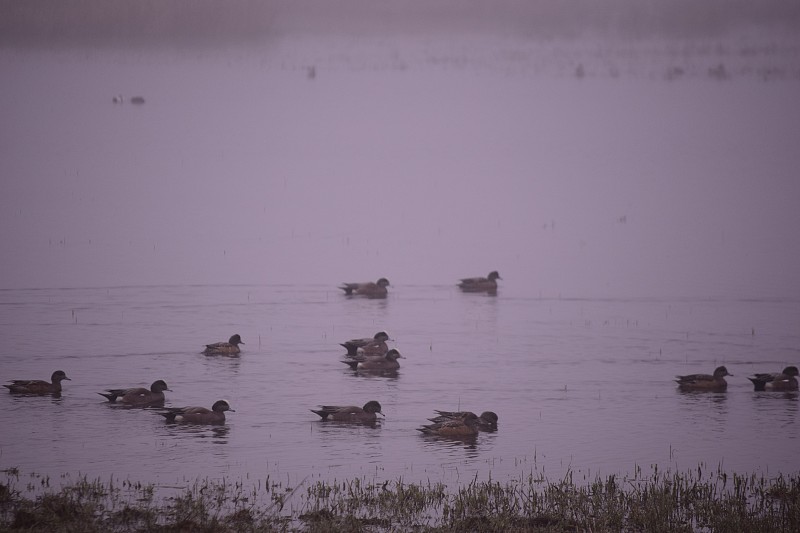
x: 698, y: 500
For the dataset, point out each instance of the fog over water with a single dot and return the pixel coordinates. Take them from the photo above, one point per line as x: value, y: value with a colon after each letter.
x: 610, y: 148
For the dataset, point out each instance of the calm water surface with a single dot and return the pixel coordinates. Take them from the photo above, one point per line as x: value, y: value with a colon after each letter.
x: 580, y: 385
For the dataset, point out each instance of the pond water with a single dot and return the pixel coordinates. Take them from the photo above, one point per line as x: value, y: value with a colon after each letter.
x: 638, y: 197
x: 581, y: 385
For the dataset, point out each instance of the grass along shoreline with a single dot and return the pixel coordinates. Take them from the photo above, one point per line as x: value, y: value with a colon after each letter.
x: 697, y: 500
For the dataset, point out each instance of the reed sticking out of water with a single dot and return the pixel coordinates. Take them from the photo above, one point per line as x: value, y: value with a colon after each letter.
x: 691, y: 501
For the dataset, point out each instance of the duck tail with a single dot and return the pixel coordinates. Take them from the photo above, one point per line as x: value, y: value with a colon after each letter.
x: 323, y: 414
x: 351, y: 350
x: 759, y: 384
x: 110, y: 396
x: 352, y: 364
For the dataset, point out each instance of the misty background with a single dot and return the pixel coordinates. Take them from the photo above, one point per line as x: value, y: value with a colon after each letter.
x: 598, y: 149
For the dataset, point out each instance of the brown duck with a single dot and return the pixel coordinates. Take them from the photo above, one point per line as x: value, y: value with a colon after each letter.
x: 782, y: 381
x: 704, y: 382
x: 198, y: 415
x: 37, y: 386
x: 368, y: 289
x: 487, y: 284
x: 138, y: 396
x: 350, y: 413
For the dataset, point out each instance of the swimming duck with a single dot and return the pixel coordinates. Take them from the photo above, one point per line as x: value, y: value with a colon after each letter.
x: 38, y: 386
x: 704, y: 382
x: 487, y: 421
x: 351, y: 413
x: 225, y: 348
x: 138, y: 396
x: 198, y: 415
x: 487, y: 284
x: 375, y: 345
x: 466, y: 426
x: 376, y: 363
x: 368, y: 289
x: 782, y: 381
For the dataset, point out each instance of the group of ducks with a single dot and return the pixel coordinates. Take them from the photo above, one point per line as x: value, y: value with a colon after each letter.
x: 378, y: 289
x: 370, y: 354
x: 444, y: 424
x: 131, y: 397
x: 780, y: 381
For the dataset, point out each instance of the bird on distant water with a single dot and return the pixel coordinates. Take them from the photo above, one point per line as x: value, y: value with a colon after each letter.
x: 198, y: 415
x: 487, y: 284
x: 138, y: 396
x: 367, y: 289
x: 38, y: 386
x: 350, y: 413
x: 781, y: 381
x: 704, y: 382
x: 466, y: 426
x: 225, y: 348
x: 487, y: 421
x: 376, y: 363
x: 375, y: 345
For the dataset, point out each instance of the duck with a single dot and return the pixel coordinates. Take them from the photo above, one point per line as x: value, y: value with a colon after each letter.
x: 38, y: 386
x: 138, y: 396
x: 350, y: 413
x: 375, y: 345
x: 198, y: 415
x: 704, y: 382
x: 782, y: 381
x: 225, y: 348
x: 376, y: 363
x: 466, y: 426
x: 368, y: 289
x: 487, y: 284
x: 487, y: 420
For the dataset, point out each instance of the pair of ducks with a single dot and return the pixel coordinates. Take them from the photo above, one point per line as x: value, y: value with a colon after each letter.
x: 779, y: 381
x: 378, y: 289
x: 445, y: 424
x: 132, y: 397
x: 372, y: 354
x: 460, y: 423
x: 154, y: 397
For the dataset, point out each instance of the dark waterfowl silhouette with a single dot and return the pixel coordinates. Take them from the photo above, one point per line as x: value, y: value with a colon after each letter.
x: 487, y: 421
x: 38, y: 386
x: 198, y: 415
x: 367, y: 289
x: 225, y: 348
x: 466, y: 426
x: 704, y: 382
x: 138, y: 396
x: 350, y: 413
x: 780, y: 381
x: 376, y: 363
x: 487, y: 284
x: 375, y: 345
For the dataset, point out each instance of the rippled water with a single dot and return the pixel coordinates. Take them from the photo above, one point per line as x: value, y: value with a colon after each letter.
x: 581, y: 385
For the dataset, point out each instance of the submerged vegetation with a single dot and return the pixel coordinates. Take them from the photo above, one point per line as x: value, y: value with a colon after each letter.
x: 663, y: 501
